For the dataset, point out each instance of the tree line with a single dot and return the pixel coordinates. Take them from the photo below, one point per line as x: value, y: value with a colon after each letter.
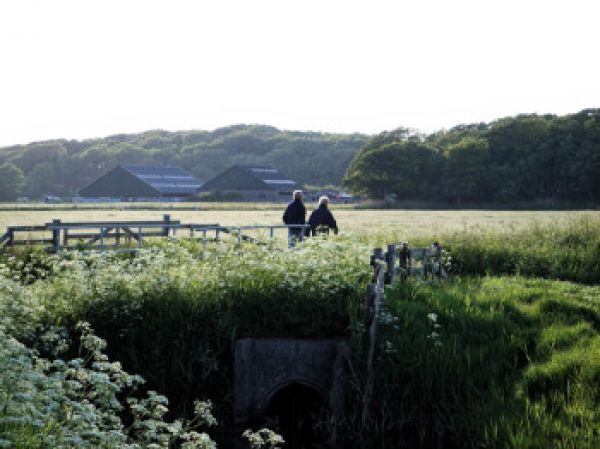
x: 63, y: 167
x: 528, y: 159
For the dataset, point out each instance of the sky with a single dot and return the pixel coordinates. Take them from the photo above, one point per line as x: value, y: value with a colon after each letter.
x: 82, y: 69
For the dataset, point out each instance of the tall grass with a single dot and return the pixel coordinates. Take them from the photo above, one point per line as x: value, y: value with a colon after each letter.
x: 568, y: 252
x: 490, y: 362
x: 480, y: 361
x: 173, y: 316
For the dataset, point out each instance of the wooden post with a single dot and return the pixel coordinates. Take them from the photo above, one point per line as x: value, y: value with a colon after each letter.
x: 102, y: 239
x: 436, y: 267
x: 390, y: 258
x: 56, y: 236
x: 369, y: 306
x: 403, y: 258
x: 10, y: 232
x: 167, y: 221
x: 377, y: 256
x: 374, y: 295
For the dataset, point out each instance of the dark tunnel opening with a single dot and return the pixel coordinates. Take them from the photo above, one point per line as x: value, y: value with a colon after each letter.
x: 299, y: 414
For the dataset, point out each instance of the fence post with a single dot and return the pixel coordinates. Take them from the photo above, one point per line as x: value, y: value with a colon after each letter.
x: 390, y: 258
x: 10, y: 232
x: 377, y: 255
x: 403, y: 258
x: 56, y: 236
x: 167, y: 221
x: 437, y: 264
x: 374, y: 300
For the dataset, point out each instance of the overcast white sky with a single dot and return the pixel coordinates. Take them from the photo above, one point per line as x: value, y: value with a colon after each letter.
x: 79, y: 69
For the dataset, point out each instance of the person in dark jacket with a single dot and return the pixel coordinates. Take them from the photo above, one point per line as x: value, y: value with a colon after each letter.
x: 322, y: 217
x: 295, y: 214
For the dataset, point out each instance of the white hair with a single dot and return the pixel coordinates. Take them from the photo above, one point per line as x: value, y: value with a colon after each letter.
x: 324, y: 200
x: 297, y: 194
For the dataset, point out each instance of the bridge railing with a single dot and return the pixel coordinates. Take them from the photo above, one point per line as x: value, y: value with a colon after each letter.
x: 129, y: 235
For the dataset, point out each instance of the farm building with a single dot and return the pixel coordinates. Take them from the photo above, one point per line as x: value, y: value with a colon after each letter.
x: 140, y: 182
x: 251, y: 183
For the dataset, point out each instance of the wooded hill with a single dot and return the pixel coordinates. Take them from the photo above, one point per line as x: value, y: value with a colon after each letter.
x: 546, y: 160
x: 62, y: 167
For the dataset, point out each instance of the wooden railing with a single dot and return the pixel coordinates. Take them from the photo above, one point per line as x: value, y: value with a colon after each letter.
x: 127, y: 235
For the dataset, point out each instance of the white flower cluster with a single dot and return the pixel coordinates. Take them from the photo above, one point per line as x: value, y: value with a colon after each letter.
x: 263, y: 439
x: 434, y: 335
x: 75, y: 403
x: 79, y: 402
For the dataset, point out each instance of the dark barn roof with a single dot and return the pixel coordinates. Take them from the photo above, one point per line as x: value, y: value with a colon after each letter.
x: 246, y: 177
x: 143, y: 181
x: 166, y: 180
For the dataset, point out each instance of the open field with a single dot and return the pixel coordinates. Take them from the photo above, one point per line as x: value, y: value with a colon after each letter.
x: 403, y: 223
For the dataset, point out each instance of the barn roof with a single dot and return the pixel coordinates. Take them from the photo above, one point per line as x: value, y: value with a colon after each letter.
x: 251, y: 177
x: 270, y: 176
x: 165, y: 180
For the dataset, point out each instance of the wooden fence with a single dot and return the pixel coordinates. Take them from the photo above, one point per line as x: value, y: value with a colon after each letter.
x: 397, y: 263
x: 125, y: 235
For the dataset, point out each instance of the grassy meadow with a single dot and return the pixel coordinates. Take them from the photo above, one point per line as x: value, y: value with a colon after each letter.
x: 505, y: 354
x: 401, y: 223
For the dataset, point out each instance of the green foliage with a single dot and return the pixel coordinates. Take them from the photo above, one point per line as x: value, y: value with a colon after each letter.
x: 63, y: 167
x: 486, y: 363
x: 194, y: 308
x: 64, y: 402
x: 547, y: 159
x: 568, y: 252
x: 406, y: 168
x: 11, y: 181
x: 509, y: 362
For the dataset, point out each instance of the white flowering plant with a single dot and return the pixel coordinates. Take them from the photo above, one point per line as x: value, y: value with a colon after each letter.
x: 78, y: 402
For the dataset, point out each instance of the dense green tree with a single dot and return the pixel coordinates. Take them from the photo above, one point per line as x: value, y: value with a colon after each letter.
x: 544, y: 159
x: 467, y: 170
x: 406, y: 168
x: 41, y: 181
x: 11, y: 181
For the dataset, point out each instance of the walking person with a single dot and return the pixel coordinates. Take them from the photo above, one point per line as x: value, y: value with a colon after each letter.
x: 322, y: 218
x: 295, y: 214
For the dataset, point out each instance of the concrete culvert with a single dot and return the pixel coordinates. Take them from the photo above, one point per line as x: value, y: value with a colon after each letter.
x: 301, y: 415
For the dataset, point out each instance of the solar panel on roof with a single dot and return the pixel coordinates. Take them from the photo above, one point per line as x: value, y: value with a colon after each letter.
x: 171, y: 180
